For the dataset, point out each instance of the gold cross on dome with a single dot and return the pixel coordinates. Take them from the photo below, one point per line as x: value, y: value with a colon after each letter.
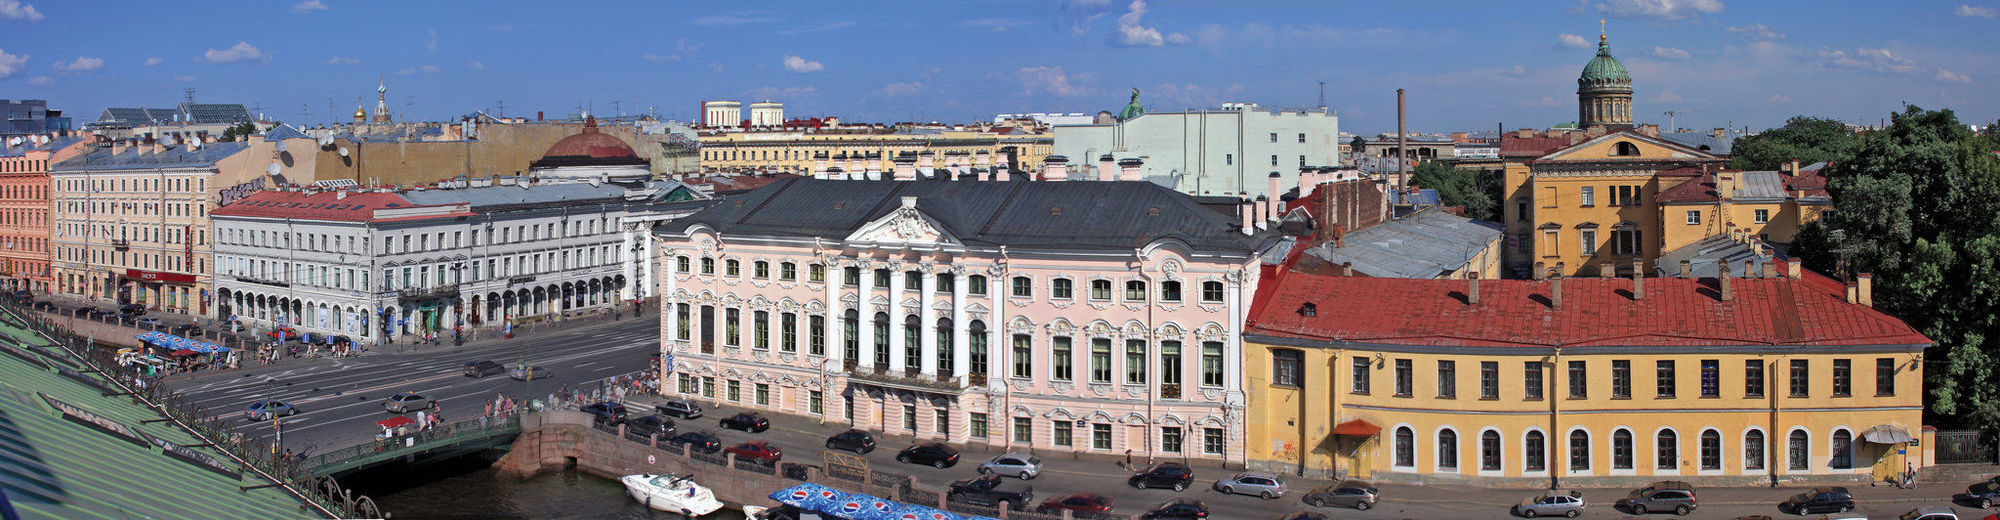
x: 1600, y: 27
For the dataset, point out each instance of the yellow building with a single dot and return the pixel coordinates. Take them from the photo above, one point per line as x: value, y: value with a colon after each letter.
x: 1020, y: 148
x: 1580, y: 382
x: 1769, y: 205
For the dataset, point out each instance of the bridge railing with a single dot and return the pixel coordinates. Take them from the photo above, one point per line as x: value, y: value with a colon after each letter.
x: 431, y: 438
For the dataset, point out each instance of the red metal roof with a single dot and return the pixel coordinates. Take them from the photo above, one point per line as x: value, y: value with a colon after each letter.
x: 1693, y: 190
x: 1595, y: 312
x: 1512, y: 145
x: 325, y: 205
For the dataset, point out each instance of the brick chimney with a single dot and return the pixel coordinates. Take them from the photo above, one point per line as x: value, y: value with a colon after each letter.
x: 1749, y: 269
x: 1687, y: 269
x: 1057, y: 169
x: 1605, y: 269
x: 1722, y: 277
x: 1792, y: 268
x: 1249, y: 213
x: 1000, y: 173
x: 1853, y: 292
x: 1770, y: 268
x: 1865, y: 289
x: 1725, y: 185
x: 982, y: 160
x: 1472, y: 288
x: 906, y: 168
x: 1541, y: 271
x: 1638, y: 279
x: 1347, y: 269
x: 926, y: 160
x: 1128, y: 170
x: 1263, y: 211
x: 1339, y: 235
x: 1271, y: 186
x: 1556, y: 291
x: 1718, y: 133
x: 1106, y: 165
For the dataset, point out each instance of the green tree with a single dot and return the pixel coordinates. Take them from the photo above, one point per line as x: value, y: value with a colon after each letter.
x: 1457, y: 187
x: 239, y: 130
x: 1357, y: 145
x: 1804, y: 139
x: 1918, y: 205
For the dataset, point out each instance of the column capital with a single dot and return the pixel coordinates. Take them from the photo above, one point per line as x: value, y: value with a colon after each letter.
x: 957, y: 270
x: 927, y: 268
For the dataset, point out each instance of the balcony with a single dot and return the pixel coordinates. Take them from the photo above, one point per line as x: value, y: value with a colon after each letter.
x: 1170, y: 391
x: 433, y: 293
x: 121, y: 244
x: 907, y: 379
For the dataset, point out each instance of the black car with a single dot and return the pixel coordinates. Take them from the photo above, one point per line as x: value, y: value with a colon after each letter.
x: 746, y: 421
x: 1166, y: 474
x: 480, y: 369
x: 935, y: 454
x: 1819, y: 500
x: 132, y: 309
x: 650, y: 425
x: 185, y: 329
x: 681, y: 408
x: 97, y: 314
x: 857, y: 441
x: 1983, y: 494
x: 1178, y: 509
x: 699, y: 442
x: 607, y: 412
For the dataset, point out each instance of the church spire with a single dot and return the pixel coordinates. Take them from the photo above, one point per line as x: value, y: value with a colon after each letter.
x: 381, y: 101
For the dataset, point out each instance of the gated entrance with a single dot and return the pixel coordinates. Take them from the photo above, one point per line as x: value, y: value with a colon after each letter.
x: 1963, y: 446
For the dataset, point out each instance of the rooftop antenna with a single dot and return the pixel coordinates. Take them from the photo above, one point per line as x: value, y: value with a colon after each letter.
x: 1671, y: 126
x: 615, y: 108
x: 188, y: 93
x: 1322, y: 94
x: 500, y: 108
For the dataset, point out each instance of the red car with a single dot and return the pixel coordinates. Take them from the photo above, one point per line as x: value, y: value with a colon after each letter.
x: 1079, y: 502
x: 756, y: 451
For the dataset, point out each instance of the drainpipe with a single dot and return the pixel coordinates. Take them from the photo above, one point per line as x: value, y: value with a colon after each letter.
x: 1152, y: 386
x: 1771, y: 431
x: 1555, y: 431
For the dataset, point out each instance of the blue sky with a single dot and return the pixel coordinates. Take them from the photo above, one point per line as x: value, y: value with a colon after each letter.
x: 1467, y: 65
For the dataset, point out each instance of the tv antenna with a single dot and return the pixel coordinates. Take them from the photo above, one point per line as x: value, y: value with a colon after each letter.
x: 1671, y: 114
x: 500, y: 108
x: 188, y: 93
x: 1322, y: 94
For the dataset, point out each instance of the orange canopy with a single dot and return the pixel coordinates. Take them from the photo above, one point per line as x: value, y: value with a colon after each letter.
x: 1357, y: 428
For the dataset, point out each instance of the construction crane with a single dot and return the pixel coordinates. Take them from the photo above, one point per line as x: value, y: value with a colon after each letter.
x: 1671, y: 126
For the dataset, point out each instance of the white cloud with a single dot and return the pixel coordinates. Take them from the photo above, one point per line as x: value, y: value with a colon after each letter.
x: 342, y: 60
x: 1669, y: 53
x: 1664, y: 10
x: 1667, y: 97
x: 902, y: 89
x: 19, y: 12
x: 184, y: 79
x: 406, y: 71
x: 1051, y: 80
x: 730, y: 19
x: 1573, y: 41
x: 1780, y: 98
x: 475, y: 65
x: 1132, y: 34
x: 681, y: 51
x: 153, y: 61
x: 1879, y: 60
x: 242, y: 51
x: 1976, y: 12
x: 802, y: 65
x: 1952, y: 77
x: 995, y: 24
x: 432, y: 47
x: 82, y: 64
x: 780, y: 93
x: 41, y: 80
x: 308, y: 6
x: 655, y: 58
x: 11, y: 62
x: 431, y: 68
x: 1756, y: 31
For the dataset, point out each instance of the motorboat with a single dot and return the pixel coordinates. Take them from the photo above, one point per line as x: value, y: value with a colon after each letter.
x: 670, y: 493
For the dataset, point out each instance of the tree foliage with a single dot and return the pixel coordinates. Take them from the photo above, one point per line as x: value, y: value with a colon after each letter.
x: 1357, y: 145
x: 1476, y: 190
x: 239, y: 131
x: 1918, y: 205
x: 1804, y: 139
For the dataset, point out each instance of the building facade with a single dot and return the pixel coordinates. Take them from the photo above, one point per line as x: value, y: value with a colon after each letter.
x: 1065, y: 317
x: 24, y: 207
x: 794, y: 150
x: 1584, y: 382
x: 1220, y: 152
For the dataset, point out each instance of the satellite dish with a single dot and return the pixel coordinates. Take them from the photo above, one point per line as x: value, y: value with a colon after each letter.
x: 343, y: 151
x: 281, y: 146
x: 196, y: 145
x: 274, y: 169
x: 326, y: 141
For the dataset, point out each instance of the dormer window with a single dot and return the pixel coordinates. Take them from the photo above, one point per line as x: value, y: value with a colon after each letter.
x: 1308, y: 310
x: 1625, y: 149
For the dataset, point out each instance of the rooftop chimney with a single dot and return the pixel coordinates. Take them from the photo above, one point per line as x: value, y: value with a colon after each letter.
x: 1638, y: 279
x: 982, y: 160
x: 1556, y: 291
x: 1128, y: 170
x: 1770, y: 268
x: 1249, y: 216
x: 926, y: 160
x: 1605, y: 269
x: 1263, y: 211
x: 1307, y: 178
x: 1725, y: 185
x: 1271, y: 186
x: 1687, y: 269
x: 1347, y: 269
x: 1541, y: 271
x: 1722, y: 277
x: 1106, y: 166
x: 1853, y: 292
x: 906, y: 168
x: 1001, y: 173
x: 1057, y: 169
x: 1749, y: 269
x: 1472, y: 287
x: 1865, y: 282
x: 1792, y: 268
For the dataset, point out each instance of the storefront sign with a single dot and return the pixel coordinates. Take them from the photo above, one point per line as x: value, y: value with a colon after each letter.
x: 520, y: 279
x: 190, y: 456
x: 93, y: 421
x: 156, y: 276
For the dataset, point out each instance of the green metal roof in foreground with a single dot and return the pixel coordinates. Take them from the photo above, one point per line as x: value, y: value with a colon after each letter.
x: 1604, y: 67
x: 79, y: 463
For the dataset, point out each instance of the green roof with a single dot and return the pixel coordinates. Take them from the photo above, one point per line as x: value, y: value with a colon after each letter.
x: 1604, y: 67
x: 95, y: 459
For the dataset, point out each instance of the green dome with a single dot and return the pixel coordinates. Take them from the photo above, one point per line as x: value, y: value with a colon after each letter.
x: 1604, y: 67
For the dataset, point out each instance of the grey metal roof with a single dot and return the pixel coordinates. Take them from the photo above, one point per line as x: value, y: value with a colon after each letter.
x: 1698, y: 140
x: 1424, y: 245
x: 24, y: 148
x: 168, y: 157
x: 498, y: 198
x: 1092, y: 215
x: 285, y: 132
x: 1704, y: 255
x: 1760, y: 185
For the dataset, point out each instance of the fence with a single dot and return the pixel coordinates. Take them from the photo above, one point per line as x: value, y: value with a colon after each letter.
x: 440, y: 436
x: 1964, y: 446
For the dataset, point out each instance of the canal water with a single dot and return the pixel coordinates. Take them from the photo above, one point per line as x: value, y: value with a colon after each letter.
x: 468, y: 488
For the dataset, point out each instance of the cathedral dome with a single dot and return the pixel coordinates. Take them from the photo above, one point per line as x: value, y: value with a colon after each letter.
x: 1604, y: 70
x: 591, y: 144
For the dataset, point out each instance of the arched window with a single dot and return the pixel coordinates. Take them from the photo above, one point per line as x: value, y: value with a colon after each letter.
x: 944, y: 348
x: 1753, y: 449
x: 1536, y: 452
x: 1579, y: 451
x: 1625, y: 149
x: 1489, y: 450
x: 1843, y: 449
x: 1023, y: 287
x: 913, y: 345
x: 1711, y: 450
x: 1621, y: 449
x: 1798, y: 450
x: 975, y: 345
x: 1406, y: 447
x: 882, y: 340
x: 1447, y: 449
x: 1667, y: 450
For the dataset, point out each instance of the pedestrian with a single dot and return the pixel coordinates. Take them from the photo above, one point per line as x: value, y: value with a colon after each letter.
x: 420, y: 418
x: 489, y: 410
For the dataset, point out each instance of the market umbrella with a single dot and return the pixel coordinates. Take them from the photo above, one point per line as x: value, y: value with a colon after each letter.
x: 181, y: 353
x: 397, y: 421
x: 809, y: 496
x: 861, y: 507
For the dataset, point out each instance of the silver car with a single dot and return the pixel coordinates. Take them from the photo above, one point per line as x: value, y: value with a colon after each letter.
x: 405, y: 402
x: 1018, y: 465
x: 1554, y: 502
x: 1248, y: 483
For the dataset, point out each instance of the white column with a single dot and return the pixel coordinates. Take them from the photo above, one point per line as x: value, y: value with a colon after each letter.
x: 669, y: 317
x: 895, y: 309
x: 927, y: 322
x: 835, y: 350
x: 961, y: 357
x: 864, y: 326
x: 1000, y: 343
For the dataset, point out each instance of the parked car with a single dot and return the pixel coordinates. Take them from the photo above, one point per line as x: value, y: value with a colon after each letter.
x: 746, y: 421
x: 528, y: 373
x: 1019, y: 465
x: 481, y: 369
x: 405, y: 402
x: 1091, y: 503
x: 43, y: 306
x: 1252, y: 483
x: 148, y: 322
x: 1930, y: 513
x: 1819, y: 500
x: 606, y: 412
x: 935, y: 454
x: 96, y: 314
x: 185, y: 329
x: 991, y: 491
x: 1166, y: 474
x: 1178, y: 509
x: 1983, y: 494
x: 757, y: 451
x: 263, y: 410
x: 649, y: 426
x: 701, y: 442
x: 1348, y: 493
x: 1300, y: 515
x: 1671, y: 495
x: 680, y: 408
x: 1549, y: 503
x: 132, y: 309
x: 857, y: 441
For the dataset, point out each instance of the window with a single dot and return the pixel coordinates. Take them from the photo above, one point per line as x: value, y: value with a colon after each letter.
x: 1579, y: 451
x: 1211, y: 292
x: 760, y: 324
x: 1711, y: 378
x: 1761, y: 216
x: 1885, y: 377
x: 850, y: 335
x: 1621, y: 449
x: 975, y: 285
x: 977, y: 422
x: 1589, y: 196
x: 1843, y: 377
x: 1579, y: 388
x: 1100, y: 436
x: 1799, y: 381
x: 1302, y: 138
x: 1711, y: 450
x: 1489, y: 451
x: 1100, y: 290
x: 763, y: 393
x: 1023, y: 356
x: 1798, y: 450
x: 1626, y: 241
x: 882, y: 344
x: 1100, y: 360
x: 708, y: 266
x: 1170, y: 363
x: 913, y: 344
x: 816, y: 273
x: 1406, y: 447
x: 1024, y: 430
x: 1023, y: 287
x: 1135, y: 291
x: 1843, y: 449
x: 1753, y: 450
x: 850, y: 276
x: 1535, y: 452
x: 681, y: 322
x: 1403, y: 375
x: 1274, y: 137
x: 913, y: 281
x: 1287, y: 367
x: 1274, y: 159
x: 1211, y: 441
x: 1587, y: 240
x: 1228, y: 159
x: 680, y: 264
x: 734, y: 324
x: 1360, y: 376
x: 1489, y: 380
x: 1170, y: 439
x: 1694, y: 218
x: 1060, y: 289
x: 788, y: 331
x: 1667, y: 448
x: 1135, y: 361
x: 975, y: 343
x: 735, y: 390
x: 732, y: 268
x: 1060, y: 430
x: 816, y: 335
x: 946, y: 283
x: 788, y: 271
x: 1753, y: 378
x: 1448, y: 379
x: 1531, y: 380
x: 1211, y: 363
x: 1060, y: 368
x: 1663, y: 378
x: 909, y: 418
x: 1447, y: 449
x: 761, y: 269
x: 1170, y: 291
x: 815, y: 402
x: 1621, y: 379
x: 881, y: 279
